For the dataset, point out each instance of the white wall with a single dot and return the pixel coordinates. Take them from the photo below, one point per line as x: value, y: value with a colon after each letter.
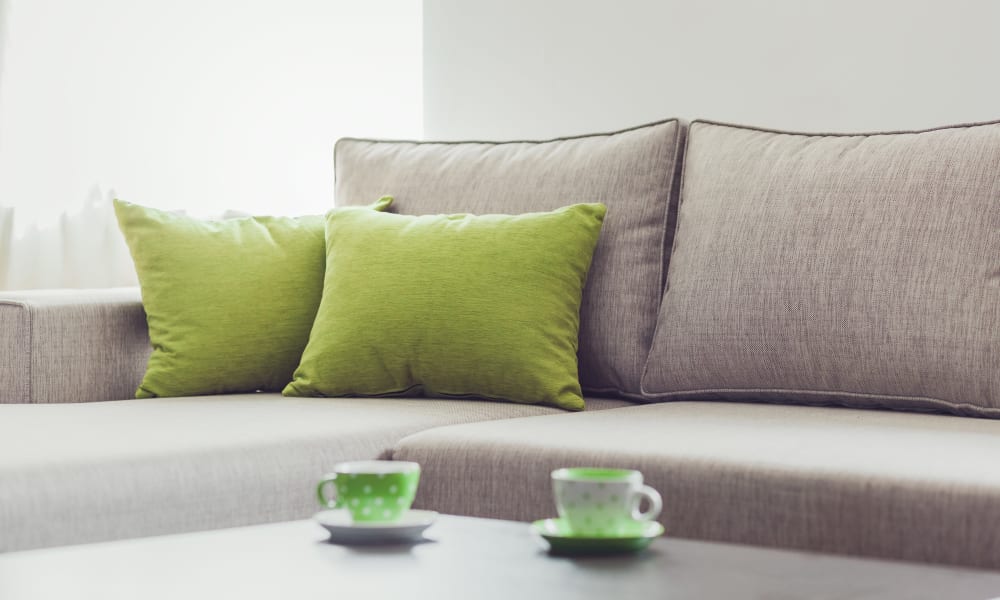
x: 3, y: 33
x: 531, y: 68
x: 203, y: 104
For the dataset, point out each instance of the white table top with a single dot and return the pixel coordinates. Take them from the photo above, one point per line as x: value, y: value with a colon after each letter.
x: 467, y: 559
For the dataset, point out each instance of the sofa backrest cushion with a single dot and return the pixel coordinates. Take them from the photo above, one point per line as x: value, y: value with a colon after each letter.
x: 631, y: 172
x: 861, y: 270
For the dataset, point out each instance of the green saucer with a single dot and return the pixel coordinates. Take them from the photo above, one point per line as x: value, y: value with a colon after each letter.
x: 563, y: 542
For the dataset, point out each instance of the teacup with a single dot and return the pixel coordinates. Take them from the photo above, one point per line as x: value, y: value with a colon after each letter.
x: 603, y: 502
x: 371, y: 490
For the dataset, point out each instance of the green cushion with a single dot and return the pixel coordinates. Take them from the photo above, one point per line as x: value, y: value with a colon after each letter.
x: 452, y: 306
x: 229, y: 303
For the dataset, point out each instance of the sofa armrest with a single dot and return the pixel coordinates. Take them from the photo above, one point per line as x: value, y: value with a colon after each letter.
x: 71, y: 345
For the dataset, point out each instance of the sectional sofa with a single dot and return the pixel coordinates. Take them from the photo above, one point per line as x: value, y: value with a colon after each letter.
x: 796, y: 337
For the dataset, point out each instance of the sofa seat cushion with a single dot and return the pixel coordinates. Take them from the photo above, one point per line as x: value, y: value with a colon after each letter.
x: 919, y: 487
x: 76, y: 473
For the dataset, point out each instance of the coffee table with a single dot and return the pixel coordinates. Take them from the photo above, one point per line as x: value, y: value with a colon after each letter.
x: 468, y: 559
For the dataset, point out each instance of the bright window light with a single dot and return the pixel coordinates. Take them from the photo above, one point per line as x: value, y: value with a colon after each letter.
x: 202, y: 105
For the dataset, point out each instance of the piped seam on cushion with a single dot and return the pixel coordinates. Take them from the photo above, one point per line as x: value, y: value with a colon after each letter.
x: 842, y: 134
x: 496, y: 142
x: 936, y: 404
x: 681, y: 156
x: 614, y: 393
x: 673, y: 184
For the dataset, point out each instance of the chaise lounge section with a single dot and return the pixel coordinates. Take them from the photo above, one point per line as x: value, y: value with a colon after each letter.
x: 85, y: 471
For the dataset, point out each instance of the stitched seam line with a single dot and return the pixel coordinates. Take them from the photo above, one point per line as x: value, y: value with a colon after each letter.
x: 832, y: 134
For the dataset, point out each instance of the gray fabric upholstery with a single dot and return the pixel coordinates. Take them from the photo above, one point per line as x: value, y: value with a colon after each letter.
x: 74, y: 473
x: 919, y: 487
x: 861, y: 270
x: 631, y: 172
x: 71, y: 345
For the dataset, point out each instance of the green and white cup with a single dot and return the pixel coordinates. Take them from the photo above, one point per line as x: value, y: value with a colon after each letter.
x: 371, y: 490
x: 603, y: 502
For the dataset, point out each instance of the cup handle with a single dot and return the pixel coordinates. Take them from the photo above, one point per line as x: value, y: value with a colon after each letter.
x: 655, y: 504
x: 323, y: 500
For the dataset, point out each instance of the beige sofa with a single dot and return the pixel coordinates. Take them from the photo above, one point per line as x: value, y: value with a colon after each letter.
x: 815, y: 409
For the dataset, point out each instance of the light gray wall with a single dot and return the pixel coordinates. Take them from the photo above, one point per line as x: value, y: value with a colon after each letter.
x: 533, y: 68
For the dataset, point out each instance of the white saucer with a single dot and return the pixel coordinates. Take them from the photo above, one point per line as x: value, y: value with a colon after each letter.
x: 344, y: 530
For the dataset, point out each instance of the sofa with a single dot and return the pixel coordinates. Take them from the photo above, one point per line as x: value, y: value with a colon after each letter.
x: 795, y: 337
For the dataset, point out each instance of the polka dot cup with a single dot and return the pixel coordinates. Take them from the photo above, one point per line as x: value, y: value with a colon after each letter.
x: 603, y: 502
x: 372, y: 490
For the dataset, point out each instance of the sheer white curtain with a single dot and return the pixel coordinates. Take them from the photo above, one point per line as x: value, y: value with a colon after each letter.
x: 199, y: 105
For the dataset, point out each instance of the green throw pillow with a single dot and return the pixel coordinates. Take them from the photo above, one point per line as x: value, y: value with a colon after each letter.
x: 229, y: 303
x: 451, y: 305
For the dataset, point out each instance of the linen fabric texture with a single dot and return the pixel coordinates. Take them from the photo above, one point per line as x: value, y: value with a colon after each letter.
x: 861, y: 270
x: 888, y: 484
x: 451, y: 305
x: 229, y: 303
x: 168, y: 465
x: 71, y: 345
x: 631, y: 172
